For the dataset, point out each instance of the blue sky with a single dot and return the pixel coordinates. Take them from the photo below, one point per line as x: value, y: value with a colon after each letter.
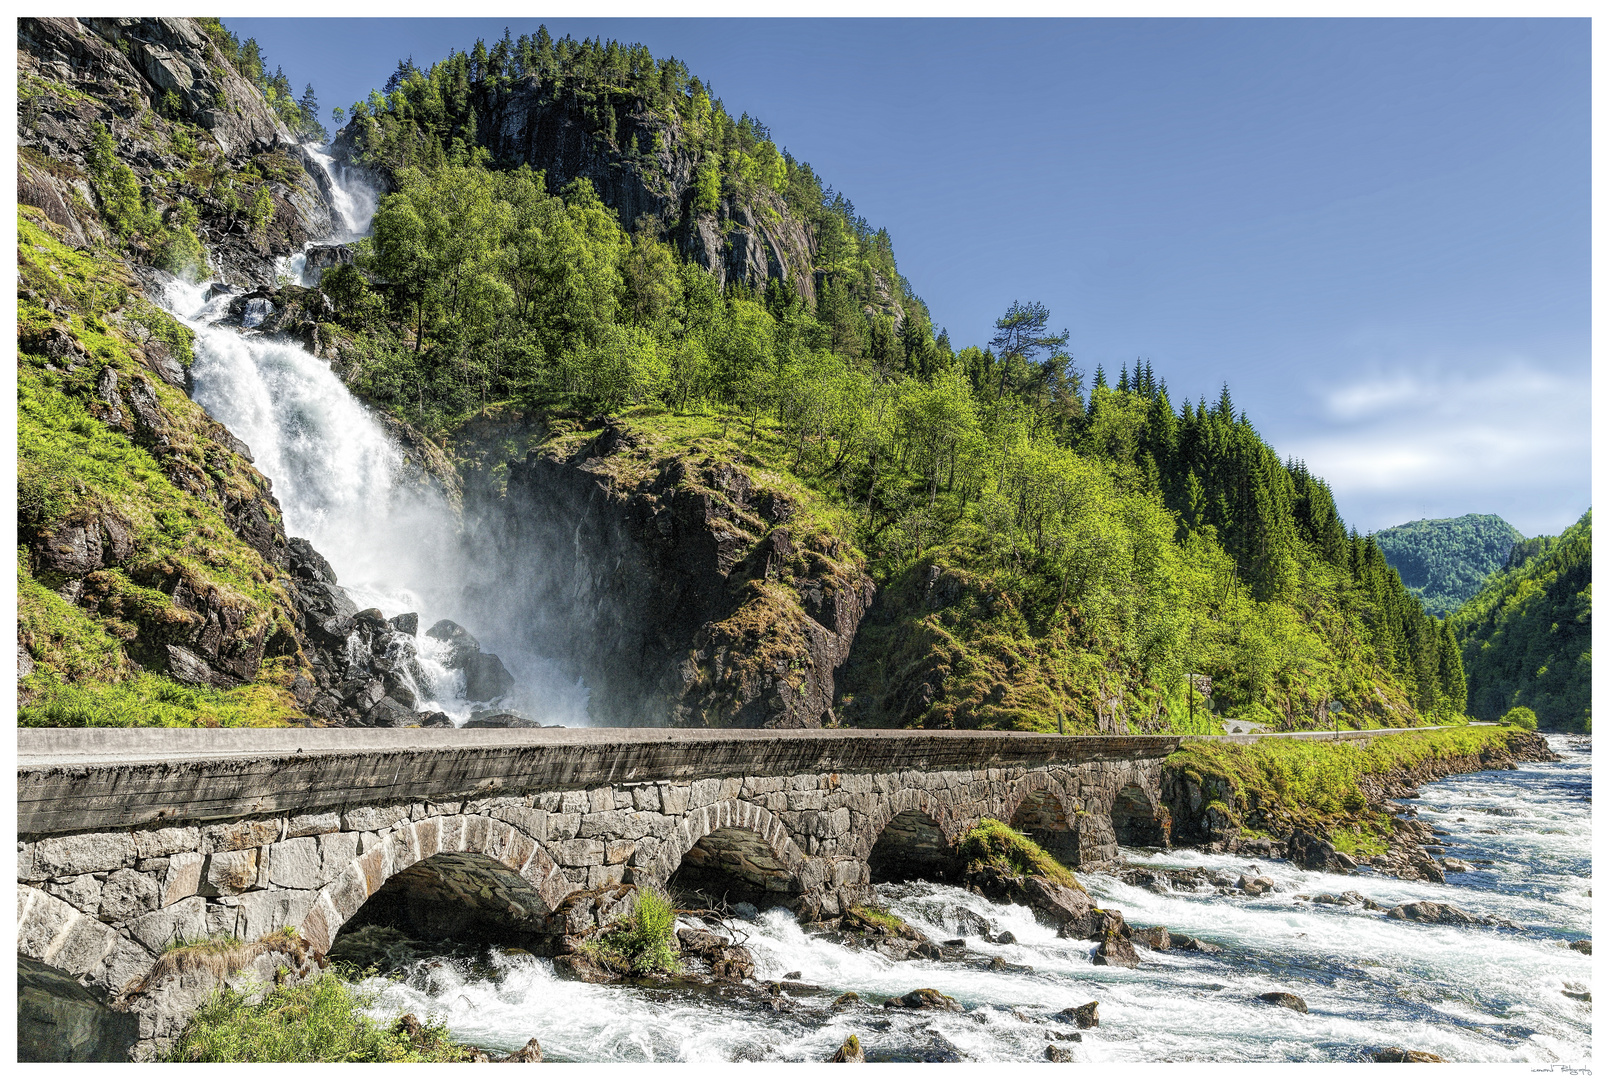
x: 1377, y: 231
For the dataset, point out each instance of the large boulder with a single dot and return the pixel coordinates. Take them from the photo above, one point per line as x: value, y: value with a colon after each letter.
x: 485, y: 677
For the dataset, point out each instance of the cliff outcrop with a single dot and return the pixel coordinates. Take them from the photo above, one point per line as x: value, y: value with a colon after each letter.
x: 182, y: 119
x: 684, y: 587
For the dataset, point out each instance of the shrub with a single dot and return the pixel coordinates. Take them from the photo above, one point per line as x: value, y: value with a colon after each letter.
x: 645, y: 941
x: 995, y: 847
x: 1521, y: 717
x: 321, y: 1019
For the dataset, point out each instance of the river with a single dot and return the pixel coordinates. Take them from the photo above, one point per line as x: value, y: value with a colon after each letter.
x: 1466, y: 994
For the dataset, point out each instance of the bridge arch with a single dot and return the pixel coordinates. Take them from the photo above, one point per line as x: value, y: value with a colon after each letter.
x: 503, y: 852
x: 734, y: 850
x: 913, y: 833
x: 1046, y: 814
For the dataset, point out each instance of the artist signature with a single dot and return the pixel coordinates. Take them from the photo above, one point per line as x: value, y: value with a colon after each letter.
x: 1573, y: 1070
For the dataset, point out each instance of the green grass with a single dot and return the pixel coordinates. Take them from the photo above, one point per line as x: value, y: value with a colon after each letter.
x: 881, y: 917
x: 995, y: 847
x: 148, y: 700
x: 319, y: 1020
x: 1277, y: 784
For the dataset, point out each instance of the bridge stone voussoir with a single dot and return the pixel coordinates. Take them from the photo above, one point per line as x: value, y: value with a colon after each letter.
x: 372, y: 818
x: 475, y: 829
x: 517, y: 850
x: 349, y: 891
x: 428, y: 832
x: 319, y: 926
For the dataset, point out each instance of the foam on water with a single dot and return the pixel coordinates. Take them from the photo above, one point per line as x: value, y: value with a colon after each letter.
x: 1467, y: 994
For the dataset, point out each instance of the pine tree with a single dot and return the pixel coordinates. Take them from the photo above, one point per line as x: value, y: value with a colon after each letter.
x: 311, y: 128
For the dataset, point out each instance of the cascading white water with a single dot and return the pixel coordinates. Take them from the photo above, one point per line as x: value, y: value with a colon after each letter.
x: 1466, y: 993
x: 353, y: 201
x: 339, y: 480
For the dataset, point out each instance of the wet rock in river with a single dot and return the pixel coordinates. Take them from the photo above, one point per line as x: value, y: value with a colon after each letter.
x: 1156, y: 937
x: 530, y: 1052
x: 845, y: 1000
x: 1584, y: 946
x: 1456, y: 866
x: 924, y: 998
x: 1058, y: 1053
x: 1428, y: 911
x: 1005, y: 937
x: 1116, y: 952
x: 1085, y: 1016
x: 1186, y: 943
x: 1398, y: 1054
x: 850, y: 1052
x: 1284, y: 1000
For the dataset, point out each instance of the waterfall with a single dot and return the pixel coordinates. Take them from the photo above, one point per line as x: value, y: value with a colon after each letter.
x: 394, y: 544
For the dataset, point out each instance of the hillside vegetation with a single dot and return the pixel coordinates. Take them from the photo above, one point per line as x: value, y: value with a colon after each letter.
x: 1052, y: 548
x: 1047, y: 549
x: 1527, y: 635
x: 1445, y: 562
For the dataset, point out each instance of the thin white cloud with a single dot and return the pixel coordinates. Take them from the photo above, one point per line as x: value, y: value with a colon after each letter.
x: 1453, y: 442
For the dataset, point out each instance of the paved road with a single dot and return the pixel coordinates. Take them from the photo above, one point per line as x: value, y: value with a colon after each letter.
x: 44, y: 747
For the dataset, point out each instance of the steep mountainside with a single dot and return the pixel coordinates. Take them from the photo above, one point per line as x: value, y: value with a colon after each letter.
x: 1446, y: 561
x: 1527, y: 635
x: 156, y: 584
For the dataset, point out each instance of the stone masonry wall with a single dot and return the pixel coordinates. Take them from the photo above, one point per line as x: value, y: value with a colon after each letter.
x: 103, y: 905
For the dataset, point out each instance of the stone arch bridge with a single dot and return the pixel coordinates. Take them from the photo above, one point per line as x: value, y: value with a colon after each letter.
x: 132, y: 839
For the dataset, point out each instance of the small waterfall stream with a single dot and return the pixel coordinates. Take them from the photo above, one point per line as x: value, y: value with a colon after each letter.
x: 394, y: 545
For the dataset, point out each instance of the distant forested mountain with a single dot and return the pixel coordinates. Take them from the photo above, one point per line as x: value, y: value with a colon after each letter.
x: 1444, y: 562
x: 1527, y: 635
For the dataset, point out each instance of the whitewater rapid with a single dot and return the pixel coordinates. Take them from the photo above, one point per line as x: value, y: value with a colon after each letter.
x: 1466, y: 994
x: 394, y: 543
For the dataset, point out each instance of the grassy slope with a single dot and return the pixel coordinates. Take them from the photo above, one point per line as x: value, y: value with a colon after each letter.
x: 1275, y: 785
x: 75, y: 464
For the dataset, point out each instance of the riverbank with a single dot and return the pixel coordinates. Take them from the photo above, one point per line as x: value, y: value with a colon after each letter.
x: 1328, y: 805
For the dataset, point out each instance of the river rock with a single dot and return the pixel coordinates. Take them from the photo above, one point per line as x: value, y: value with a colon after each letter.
x: 405, y: 624
x: 850, y: 1052
x: 1428, y: 911
x: 1058, y: 1053
x: 1456, y: 866
x: 578, y: 966
x: 923, y: 999
x: 485, y: 677
x: 1116, y: 952
x: 845, y: 1000
x: 1005, y: 937
x: 492, y: 719
x: 1254, y: 886
x: 1313, y: 853
x: 1156, y: 937
x: 1584, y: 946
x: 460, y: 642
x: 1084, y: 1016
x: 1284, y: 1000
x: 531, y: 1051
x: 1398, y: 1054
x: 726, y: 961
x: 1186, y: 943
x: 965, y: 921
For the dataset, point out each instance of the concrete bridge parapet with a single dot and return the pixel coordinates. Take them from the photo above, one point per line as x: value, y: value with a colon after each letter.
x: 132, y: 839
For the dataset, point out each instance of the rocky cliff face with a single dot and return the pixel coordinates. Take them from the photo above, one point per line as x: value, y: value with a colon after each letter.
x: 681, y: 587
x: 146, y: 81
x: 646, y: 173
